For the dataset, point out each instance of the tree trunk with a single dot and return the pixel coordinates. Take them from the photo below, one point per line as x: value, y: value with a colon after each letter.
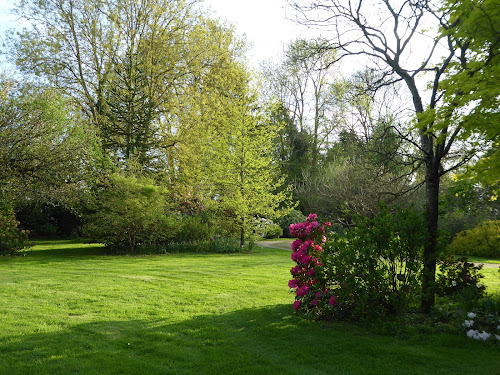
x: 430, y: 250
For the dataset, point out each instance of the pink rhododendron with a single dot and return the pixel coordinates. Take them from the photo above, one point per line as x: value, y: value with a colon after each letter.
x: 307, y: 248
x: 332, y: 301
x: 296, y: 305
x: 302, y: 291
x: 305, y: 259
x: 294, y: 283
x: 296, y: 244
x: 312, y: 217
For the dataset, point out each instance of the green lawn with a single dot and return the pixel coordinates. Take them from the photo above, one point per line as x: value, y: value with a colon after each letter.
x: 68, y: 308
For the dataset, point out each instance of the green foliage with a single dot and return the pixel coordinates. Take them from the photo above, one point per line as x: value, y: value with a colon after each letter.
x: 471, y: 93
x: 47, y: 153
x: 131, y: 211
x: 482, y: 241
x: 459, y: 278
x: 219, y: 245
x: 12, y: 239
x: 374, y: 267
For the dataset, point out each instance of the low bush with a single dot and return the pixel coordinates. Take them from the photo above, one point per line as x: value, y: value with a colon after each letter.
x: 12, y: 239
x: 220, y: 245
x: 371, y: 270
x: 459, y: 278
x: 481, y: 241
x: 131, y: 211
x: 265, y: 228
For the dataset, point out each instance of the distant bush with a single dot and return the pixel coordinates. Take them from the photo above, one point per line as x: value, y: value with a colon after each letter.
x: 265, y: 228
x: 12, y: 239
x: 131, y: 211
x: 482, y: 241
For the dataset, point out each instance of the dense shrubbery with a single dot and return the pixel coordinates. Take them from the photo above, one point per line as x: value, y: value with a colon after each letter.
x: 129, y: 212
x: 134, y: 214
x: 372, y: 269
x: 483, y: 240
x: 12, y: 239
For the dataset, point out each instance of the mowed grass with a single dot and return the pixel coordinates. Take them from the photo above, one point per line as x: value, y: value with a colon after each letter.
x: 68, y: 308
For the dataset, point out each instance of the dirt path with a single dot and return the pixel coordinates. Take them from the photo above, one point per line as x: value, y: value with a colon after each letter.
x: 286, y: 245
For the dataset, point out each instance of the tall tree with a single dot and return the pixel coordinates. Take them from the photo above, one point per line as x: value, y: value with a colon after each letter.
x: 388, y: 37
x: 129, y: 64
x: 240, y: 165
x: 47, y: 153
x: 303, y: 83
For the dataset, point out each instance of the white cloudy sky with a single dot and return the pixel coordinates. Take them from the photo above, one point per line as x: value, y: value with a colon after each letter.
x: 265, y: 23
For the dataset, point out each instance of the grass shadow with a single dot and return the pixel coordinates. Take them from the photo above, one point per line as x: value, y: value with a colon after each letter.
x: 268, y: 340
x: 63, y: 248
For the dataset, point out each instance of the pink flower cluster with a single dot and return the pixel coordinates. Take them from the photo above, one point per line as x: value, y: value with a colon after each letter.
x: 306, y: 250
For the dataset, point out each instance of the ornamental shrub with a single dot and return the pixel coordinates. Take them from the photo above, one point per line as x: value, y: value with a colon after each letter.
x: 460, y: 278
x: 131, y: 211
x: 265, y: 228
x: 482, y: 241
x: 12, y: 239
x: 370, y: 270
x: 312, y: 296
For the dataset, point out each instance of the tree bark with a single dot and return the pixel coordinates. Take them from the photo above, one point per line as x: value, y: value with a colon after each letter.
x: 430, y: 251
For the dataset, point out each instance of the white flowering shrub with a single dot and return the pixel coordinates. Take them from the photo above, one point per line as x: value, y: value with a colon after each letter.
x: 482, y: 327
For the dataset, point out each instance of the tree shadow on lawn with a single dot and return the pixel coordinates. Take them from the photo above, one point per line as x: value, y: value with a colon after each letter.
x: 269, y: 340
x: 63, y: 249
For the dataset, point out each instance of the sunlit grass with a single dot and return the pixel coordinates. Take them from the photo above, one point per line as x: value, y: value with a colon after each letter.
x: 70, y: 308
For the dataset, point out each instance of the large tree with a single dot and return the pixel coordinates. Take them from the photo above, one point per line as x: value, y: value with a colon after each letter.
x: 387, y: 32
x: 130, y: 65
x: 47, y: 153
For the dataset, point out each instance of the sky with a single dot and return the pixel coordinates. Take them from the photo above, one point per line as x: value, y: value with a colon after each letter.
x: 264, y: 22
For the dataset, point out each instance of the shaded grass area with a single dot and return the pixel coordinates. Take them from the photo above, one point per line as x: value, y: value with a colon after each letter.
x: 70, y: 308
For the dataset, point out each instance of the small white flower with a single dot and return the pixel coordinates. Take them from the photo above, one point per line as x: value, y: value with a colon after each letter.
x: 473, y: 334
x: 498, y: 328
x: 454, y: 283
x: 468, y: 323
x: 498, y: 337
x: 484, y: 335
x: 479, y: 286
x: 471, y: 315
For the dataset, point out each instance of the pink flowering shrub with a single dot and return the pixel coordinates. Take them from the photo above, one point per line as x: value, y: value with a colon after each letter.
x: 367, y: 271
x: 312, y: 296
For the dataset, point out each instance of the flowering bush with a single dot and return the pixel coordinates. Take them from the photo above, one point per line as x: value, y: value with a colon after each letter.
x: 460, y: 276
x: 12, y: 239
x: 371, y: 270
x: 312, y: 296
x: 476, y: 325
